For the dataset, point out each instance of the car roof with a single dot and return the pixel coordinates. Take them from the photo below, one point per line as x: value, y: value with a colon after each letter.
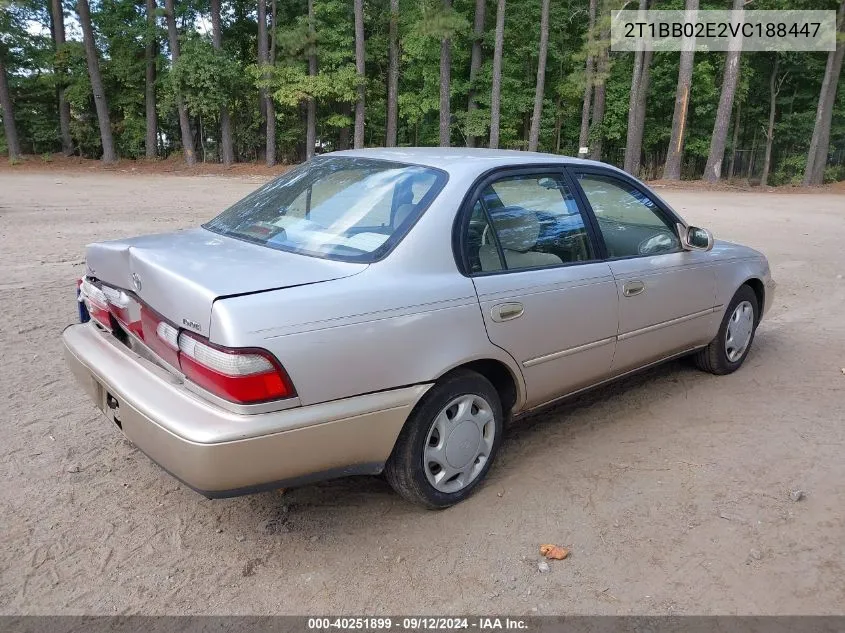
x: 466, y: 161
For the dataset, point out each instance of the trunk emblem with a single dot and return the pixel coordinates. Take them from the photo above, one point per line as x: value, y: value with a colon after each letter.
x: 191, y: 324
x: 136, y: 282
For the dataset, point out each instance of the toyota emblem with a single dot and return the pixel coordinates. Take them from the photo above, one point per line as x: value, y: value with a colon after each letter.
x: 136, y: 282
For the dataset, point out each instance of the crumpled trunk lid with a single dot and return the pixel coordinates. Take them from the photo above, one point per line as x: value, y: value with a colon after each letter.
x: 181, y: 274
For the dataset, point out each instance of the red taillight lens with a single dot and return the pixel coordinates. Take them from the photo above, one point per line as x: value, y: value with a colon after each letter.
x: 160, y: 336
x: 244, y: 376
x: 239, y: 375
x: 124, y: 309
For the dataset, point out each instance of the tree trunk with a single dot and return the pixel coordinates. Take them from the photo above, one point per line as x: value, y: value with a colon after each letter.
x: 227, y: 153
x: 636, y: 77
x: 97, y: 89
x: 636, y: 129
x: 184, y: 121
x: 820, y: 142
x: 539, y: 90
x: 770, y: 130
x: 360, y: 69
x: 584, y: 136
x: 674, y: 156
x: 750, y: 170
x: 150, y: 52
x: 266, y: 100
x: 496, y: 91
x: 735, y: 139
x: 599, y: 99
x: 311, y: 124
x: 475, y: 63
x: 274, y: 4
x: 634, y: 137
x: 713, y: 168
x: 393, y: 77
x: 445, y: 84
x: 8, y: 113
x: 270, y: 107
x: 57, y: 15
x: 262, y: 56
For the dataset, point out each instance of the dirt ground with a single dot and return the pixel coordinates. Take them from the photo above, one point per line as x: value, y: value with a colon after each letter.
x: 671, y: 488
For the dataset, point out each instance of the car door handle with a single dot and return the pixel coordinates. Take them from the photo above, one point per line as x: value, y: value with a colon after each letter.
x: 633, y: 288
x: 506, y: 311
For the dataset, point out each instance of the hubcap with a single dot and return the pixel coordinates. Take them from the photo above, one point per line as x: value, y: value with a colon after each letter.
x: 739, y: 330
x: 459, y: 443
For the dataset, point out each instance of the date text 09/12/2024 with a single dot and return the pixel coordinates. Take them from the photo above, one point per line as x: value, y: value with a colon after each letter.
x: 419, y: 623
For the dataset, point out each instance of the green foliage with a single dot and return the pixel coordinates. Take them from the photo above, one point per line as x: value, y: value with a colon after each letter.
x: 834, y: 173
x: 790, y: 171
x: 208, y: 79
x: 205, y: 78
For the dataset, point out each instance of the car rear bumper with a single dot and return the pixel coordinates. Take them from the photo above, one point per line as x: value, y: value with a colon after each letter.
x: 220, y: 453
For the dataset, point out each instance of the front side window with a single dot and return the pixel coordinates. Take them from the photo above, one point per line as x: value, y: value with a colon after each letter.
x: 526, y: 222
x: 630, y: 222
x: 347, y: 208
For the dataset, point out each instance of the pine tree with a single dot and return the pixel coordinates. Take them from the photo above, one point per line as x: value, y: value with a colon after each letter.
x: 100, y: 103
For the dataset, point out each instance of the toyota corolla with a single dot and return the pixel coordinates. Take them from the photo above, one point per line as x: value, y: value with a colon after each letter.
x: 389, y: 310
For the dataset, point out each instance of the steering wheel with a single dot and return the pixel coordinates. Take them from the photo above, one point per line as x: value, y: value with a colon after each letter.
x: 660, y: 243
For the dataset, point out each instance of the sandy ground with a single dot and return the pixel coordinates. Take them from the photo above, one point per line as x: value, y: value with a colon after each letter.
x: 672, y: 488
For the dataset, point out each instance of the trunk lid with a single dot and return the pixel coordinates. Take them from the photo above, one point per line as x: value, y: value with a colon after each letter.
x: 181, y: 274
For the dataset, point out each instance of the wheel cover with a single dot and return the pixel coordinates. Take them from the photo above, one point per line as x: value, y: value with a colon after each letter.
x: 459, y: 443
x: 739, y: 331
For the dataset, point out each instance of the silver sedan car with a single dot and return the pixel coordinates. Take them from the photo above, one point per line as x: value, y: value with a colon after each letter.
x: 388, y: 310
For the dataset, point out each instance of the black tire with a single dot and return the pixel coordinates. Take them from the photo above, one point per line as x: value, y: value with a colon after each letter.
x: 404, y: 469
x: 714, y: 357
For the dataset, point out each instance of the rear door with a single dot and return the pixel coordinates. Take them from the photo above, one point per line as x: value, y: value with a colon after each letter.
x: 545, y: 296
x: 666, y: 294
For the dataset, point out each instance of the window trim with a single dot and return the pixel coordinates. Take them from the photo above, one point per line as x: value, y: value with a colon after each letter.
x: 473, y: 195
x: 664, y: 212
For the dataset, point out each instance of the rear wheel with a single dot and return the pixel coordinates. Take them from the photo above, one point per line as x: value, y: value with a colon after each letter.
x: 448, y: 443
x: 726, y: 353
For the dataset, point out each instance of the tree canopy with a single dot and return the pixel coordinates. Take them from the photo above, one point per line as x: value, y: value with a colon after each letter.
x: 230, y: 79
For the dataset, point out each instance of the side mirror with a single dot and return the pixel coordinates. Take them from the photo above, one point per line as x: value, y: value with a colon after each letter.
x: 694, y: 238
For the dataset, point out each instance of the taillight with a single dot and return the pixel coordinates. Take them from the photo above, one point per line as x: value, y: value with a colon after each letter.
x: 125, y: 310
x: 96, y: 303
x: 84, y: 317
x: 160, y: 336
x: 239, y: 375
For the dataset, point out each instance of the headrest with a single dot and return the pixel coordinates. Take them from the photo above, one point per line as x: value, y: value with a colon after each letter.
x: 402, y: 213
x: 404, y: 195
x: 517, y: 228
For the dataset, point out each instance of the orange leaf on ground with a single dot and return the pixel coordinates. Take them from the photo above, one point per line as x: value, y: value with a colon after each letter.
x: 554, y: 552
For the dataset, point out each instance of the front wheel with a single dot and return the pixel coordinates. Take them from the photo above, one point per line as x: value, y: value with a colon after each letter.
x: 726, y: 353
x: 448, y: 443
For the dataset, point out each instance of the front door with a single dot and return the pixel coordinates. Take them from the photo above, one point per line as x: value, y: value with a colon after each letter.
x: 666, y: 294
x: 544, y: 295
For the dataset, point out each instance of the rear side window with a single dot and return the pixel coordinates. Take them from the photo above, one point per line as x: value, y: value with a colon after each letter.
x: 346, y: 208
x: 529, y: 221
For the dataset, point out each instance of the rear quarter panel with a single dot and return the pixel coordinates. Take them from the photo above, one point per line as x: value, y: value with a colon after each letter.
x: 374, y: 331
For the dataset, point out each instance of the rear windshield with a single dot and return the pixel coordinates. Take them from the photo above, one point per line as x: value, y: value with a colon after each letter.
x: 346, y: 208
